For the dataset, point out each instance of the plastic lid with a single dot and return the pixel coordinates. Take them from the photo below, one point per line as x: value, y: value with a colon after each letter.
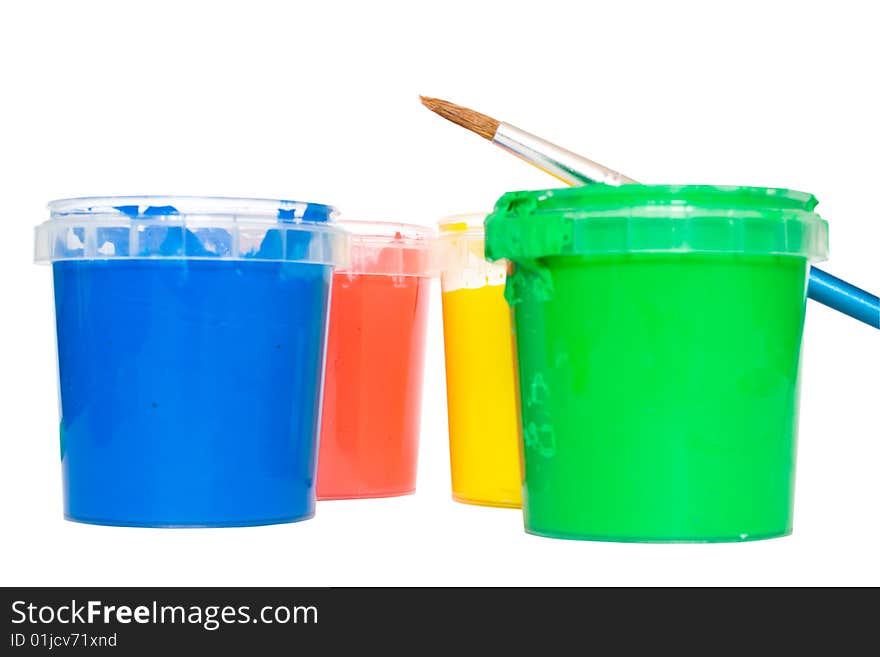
x: 391, y: 249
x: 184, y: 227
x: 601, y: 219
x: 460, y: 255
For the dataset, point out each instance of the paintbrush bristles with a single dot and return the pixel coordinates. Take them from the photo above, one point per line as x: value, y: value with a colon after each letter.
x: 483, y: 125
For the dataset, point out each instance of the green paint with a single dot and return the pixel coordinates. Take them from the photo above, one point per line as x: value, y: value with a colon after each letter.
x: 658, y: 389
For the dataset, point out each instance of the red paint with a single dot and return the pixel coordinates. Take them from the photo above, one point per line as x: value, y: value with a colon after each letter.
x: 373, y: 386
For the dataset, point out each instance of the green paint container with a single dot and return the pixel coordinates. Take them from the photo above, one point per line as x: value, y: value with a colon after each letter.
x: 658, y: 337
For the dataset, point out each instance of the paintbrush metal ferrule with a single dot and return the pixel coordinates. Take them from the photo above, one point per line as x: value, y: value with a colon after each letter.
x: 568, y: 167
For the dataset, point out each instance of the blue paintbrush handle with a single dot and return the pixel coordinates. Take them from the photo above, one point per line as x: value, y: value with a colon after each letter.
x: 844, y: 297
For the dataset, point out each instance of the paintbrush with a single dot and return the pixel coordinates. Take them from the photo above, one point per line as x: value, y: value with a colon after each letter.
x: 570, y: 168
x: 574, y: 169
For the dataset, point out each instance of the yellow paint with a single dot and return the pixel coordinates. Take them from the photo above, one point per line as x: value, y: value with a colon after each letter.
x: 483, y: 434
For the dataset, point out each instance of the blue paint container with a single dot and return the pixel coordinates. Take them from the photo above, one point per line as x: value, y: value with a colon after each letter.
x: 191, y: 339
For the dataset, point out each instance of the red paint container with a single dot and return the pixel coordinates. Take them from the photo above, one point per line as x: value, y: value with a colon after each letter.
x: 375, y: 358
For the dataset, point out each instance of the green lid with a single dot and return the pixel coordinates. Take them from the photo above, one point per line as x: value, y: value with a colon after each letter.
x: 601, y: 219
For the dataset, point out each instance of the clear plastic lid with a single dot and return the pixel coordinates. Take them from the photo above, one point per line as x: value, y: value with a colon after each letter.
x: 189, y: 227
x: 601, y: 219
x: 460, y: 254
x: 387, y: 248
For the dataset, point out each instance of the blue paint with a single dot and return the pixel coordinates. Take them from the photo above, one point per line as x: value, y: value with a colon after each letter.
x: 127, y: 210
x: 190, y: 389
x: 317, y: 212
x: 160, y: 211
x: 150, y: 211
x: 311, y: 212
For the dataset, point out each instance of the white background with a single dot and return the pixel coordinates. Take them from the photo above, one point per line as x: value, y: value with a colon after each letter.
x: 265, y: 99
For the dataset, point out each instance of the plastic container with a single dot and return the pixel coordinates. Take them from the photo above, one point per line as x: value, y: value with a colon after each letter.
x: 375, y: 361
x: 191, y: 337
x: 480, y: 385
x: 658, y: 333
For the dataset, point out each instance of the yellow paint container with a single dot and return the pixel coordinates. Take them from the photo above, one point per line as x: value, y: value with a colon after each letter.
x: 480, y: 384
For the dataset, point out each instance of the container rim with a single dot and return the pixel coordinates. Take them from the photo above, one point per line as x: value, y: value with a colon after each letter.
x: 388, y: 232
x: 389, y: 248
x: 153, y: 206
x: 586, y: 197
x: 106, y: 228
x: 460, y: 254
x: 602, y: 219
